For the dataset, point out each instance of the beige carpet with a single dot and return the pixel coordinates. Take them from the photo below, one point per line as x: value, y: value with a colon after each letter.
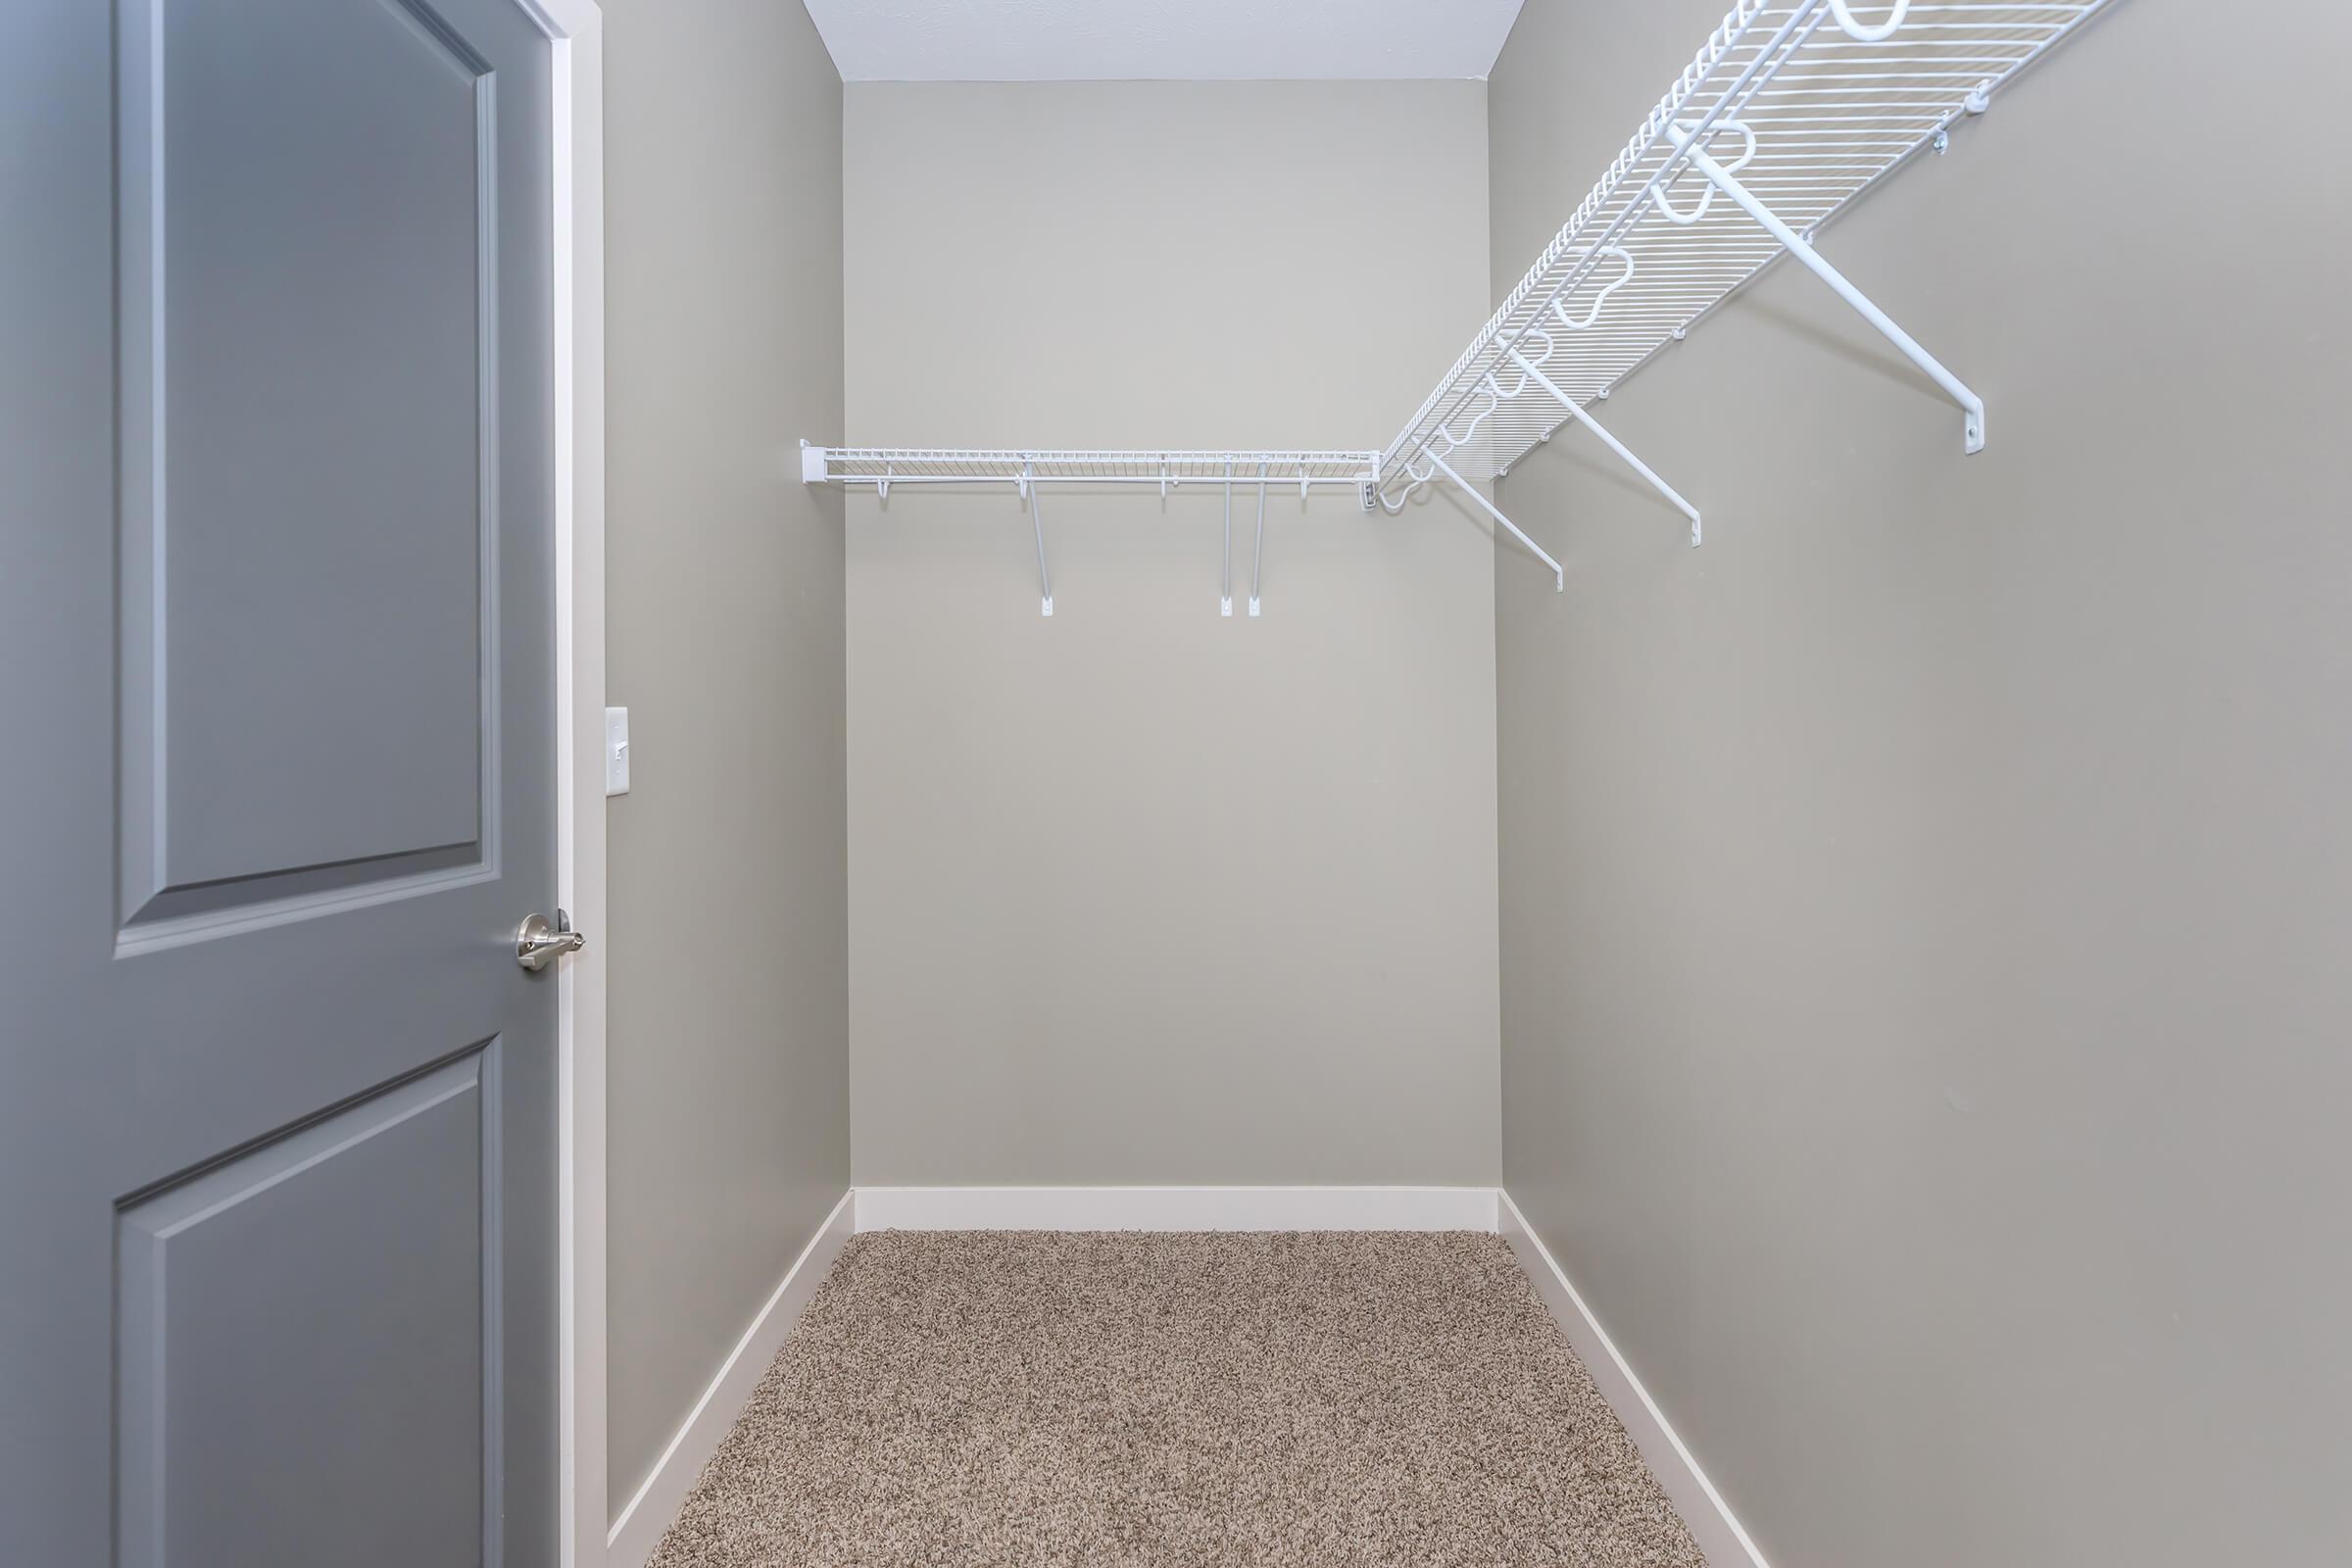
x: 1029, y: 1399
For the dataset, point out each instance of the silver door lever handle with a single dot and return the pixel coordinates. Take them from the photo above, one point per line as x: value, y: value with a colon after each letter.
x: 538, y: 944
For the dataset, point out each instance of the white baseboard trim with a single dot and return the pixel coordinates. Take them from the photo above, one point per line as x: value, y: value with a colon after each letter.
x: 1176, y: 1208
x: 1712, y: 1524
x: 639, y: 1528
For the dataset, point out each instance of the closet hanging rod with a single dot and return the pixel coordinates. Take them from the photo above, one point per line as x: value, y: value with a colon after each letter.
x: 884, y: 466
x: 1029, y: 473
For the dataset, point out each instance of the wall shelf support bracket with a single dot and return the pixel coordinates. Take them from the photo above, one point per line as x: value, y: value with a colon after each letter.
x: 1559, y: 573
x: 1030, y: 488
x: 1225, y: 582
x: 1972, y: 407
x: 1258, y: 567
x: 1612, y: 443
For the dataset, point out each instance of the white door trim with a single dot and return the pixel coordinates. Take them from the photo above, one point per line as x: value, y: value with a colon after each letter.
x: 575, y: 30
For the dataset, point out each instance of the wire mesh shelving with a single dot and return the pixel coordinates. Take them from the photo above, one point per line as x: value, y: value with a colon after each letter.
x: 1790, y: 111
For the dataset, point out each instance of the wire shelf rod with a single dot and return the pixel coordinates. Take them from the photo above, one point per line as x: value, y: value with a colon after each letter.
x: 1829, y: 111
x: 1787, y: 112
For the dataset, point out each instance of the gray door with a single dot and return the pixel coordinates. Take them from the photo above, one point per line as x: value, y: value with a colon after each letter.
x: 278, y: 1139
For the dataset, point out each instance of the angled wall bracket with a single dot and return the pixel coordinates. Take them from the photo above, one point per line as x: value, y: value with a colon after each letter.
x: 1045, y: 581
x: 1612, y: 443
x: 1972, y: 407
x: 1559, y: 573
x: 1258, y: 567
x: 1225, y: 580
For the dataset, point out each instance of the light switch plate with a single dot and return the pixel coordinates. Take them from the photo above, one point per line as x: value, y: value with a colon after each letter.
x: 617, y: 751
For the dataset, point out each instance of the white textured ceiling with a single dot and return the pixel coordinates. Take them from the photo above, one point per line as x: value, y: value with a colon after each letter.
x: 1183, y: 40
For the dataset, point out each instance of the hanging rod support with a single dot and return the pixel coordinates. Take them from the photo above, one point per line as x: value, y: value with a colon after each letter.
x: 1258, y: 567
x: 1559, y: 573
x: 1045, y: 583
x: 1612, y: 443
x: 1225, y: 589
x: 1972, y: 407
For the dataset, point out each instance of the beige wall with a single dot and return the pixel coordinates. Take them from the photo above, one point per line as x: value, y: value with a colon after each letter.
x: 730, y: 1088
x: 1139, y: 894
x: 1926, y: 908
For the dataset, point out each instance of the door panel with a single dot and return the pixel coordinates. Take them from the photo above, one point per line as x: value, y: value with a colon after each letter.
x: 307, y: 494
x: 247, y: 1432
x: 277, y: 1106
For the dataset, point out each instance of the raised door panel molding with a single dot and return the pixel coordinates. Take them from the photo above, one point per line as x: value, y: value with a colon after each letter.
x: 301, y: 1332
x: 308, y: 479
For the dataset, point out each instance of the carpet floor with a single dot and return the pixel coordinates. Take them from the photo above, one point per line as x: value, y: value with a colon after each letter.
x: 1117, y: 1399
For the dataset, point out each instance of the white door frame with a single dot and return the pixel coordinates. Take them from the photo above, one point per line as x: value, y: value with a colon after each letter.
x: 575, y: 30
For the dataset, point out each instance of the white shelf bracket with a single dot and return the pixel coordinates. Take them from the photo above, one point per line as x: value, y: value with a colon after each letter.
x: 1225, y: 582
x: 1258, y: 567
x: 1972, y: 407
x: 812, y: 464
x: 1030, y: 489
x: 1611, y: 442
x: 1559, y: 573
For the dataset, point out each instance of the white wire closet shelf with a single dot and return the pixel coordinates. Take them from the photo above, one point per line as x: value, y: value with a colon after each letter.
x: 1029, y: 473
x: 1788, y: 112
x: 884, y: 466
